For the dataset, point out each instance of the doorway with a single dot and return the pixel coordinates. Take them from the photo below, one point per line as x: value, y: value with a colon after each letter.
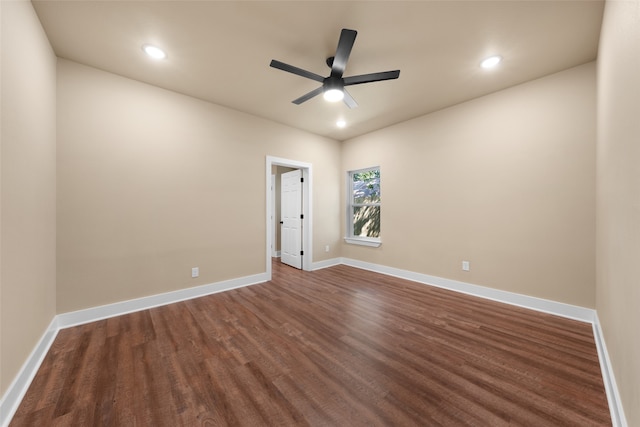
x: 305, y: 169
x: 291, y: 216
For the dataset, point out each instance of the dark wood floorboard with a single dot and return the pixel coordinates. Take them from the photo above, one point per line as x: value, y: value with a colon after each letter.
x: 334, y: 347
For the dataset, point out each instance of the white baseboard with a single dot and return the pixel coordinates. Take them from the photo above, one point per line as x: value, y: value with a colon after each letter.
x: 18, y: 388
x: 74, y: 318
x: 14, y: 394
x: 326, y: 263
x: 613, y: 396
x: 533, y: 303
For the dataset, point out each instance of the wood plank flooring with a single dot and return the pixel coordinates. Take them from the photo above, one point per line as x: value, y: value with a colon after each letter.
x: 334, y: 347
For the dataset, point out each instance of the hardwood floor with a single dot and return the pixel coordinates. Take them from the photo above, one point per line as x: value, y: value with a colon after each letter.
x: 334, y: 347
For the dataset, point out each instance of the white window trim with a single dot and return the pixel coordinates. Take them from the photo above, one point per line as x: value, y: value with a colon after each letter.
x: 364, y: 241
x: 373, y: 242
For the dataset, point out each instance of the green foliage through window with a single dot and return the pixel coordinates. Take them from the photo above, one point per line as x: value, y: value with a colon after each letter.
x: 364, y: 209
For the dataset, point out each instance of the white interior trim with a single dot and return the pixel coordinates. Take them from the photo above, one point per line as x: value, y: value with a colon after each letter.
x: 307, y: 209
x: 533, y: 303
x: 80, y: 317
x: 326, y: 263
x: 18, y: 388
x: 363, y: 241
x: 272, y: 213
x: 16, y: 391
x: 613, y: 396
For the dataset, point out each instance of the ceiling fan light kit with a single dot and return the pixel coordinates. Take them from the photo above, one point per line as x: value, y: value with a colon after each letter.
x: 333, y: 95
x: 333, y: 87
x: 333, y: 90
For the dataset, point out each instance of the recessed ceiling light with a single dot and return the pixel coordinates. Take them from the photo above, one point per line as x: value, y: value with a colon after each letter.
x: 491, y: 61
x: 154, y: 52
x: 341, y: 123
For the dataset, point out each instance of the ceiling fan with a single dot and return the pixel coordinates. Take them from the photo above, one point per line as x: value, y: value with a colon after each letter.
x: 333, y: 87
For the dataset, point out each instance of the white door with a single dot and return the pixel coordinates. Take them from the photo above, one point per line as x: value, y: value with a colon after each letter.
x: 291, y: 218
x: 273, y: 217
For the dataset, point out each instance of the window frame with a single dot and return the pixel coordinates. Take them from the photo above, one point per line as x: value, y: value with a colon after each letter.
x: 350, y: 238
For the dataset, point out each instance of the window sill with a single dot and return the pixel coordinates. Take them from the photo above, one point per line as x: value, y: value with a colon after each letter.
x: 363, y: 241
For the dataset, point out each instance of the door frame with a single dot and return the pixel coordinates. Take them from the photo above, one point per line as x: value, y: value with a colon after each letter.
x: 307, y: 220
x: 274, y: 253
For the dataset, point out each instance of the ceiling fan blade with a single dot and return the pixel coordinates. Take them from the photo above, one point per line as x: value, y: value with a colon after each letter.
x: 347, y: 39
x: 348, y: 99
x: 373, y: 77
x: 307, y: 96
x: 295, y: 70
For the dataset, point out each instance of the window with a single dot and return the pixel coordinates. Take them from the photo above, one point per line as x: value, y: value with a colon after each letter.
x: 363, y: 215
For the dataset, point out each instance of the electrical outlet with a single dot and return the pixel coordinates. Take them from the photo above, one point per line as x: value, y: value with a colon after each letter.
x: 465, y: 265
x: 326, y: 248
x: 195, y: 272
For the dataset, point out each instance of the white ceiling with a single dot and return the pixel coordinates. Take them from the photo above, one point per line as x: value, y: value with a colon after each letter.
x: 220, y: 51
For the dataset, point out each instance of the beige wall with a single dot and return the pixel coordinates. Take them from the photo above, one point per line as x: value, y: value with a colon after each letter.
x: 27, y: 227
x: 618, y: 197
x: 506, y: 181
x: 152, y: 183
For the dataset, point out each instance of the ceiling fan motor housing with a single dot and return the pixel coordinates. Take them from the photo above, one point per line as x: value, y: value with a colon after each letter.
x: 330, y: 83
x: 333, y: 86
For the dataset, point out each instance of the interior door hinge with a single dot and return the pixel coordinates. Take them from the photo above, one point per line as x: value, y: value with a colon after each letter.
x: 301, y: 216
x: 301, y: 252
x: 301, y: 179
